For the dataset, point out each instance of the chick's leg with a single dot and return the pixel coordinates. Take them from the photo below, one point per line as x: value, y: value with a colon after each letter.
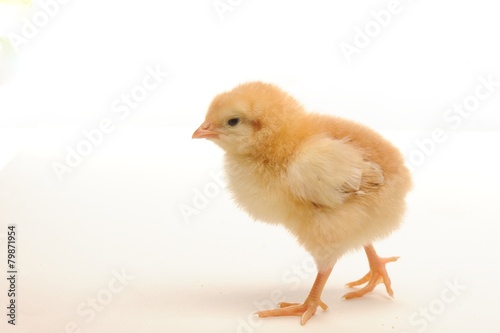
x: 377, y: 274
x: 306, y: 309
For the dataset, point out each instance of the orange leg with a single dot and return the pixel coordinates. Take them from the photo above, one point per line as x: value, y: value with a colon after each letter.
x: 377, y: 274
x: 306, y: 309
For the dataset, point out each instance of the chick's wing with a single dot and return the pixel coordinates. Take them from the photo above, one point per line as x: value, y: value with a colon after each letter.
x: 326, y: 171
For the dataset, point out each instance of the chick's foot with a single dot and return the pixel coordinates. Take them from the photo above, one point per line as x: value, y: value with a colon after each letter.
x: 304, y: 310
x: 310, y: 305
x: 377, y: 274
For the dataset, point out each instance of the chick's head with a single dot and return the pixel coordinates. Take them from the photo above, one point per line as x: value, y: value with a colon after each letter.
x: 241, y: 120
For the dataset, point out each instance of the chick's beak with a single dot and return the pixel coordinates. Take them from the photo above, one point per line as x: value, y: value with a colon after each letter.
x: 205, y: 131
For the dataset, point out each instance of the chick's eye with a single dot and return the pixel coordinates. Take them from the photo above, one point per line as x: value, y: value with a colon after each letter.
x: 233, y: 121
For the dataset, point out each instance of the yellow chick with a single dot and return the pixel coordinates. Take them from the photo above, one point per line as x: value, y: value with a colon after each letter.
x: 333, y: 183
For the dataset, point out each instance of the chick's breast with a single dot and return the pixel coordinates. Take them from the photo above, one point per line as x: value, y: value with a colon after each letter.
x: 260, y: 192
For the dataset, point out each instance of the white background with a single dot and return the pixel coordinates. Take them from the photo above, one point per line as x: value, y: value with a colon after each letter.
x: 119, y: 210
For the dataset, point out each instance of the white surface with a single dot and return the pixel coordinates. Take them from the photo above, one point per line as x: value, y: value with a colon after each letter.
x: 119, y: 211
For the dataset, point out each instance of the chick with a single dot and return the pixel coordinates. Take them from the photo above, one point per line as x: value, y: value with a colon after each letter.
x: 334, y: 184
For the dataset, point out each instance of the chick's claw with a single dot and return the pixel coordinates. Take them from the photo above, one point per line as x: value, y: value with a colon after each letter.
x: 305, y: 310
